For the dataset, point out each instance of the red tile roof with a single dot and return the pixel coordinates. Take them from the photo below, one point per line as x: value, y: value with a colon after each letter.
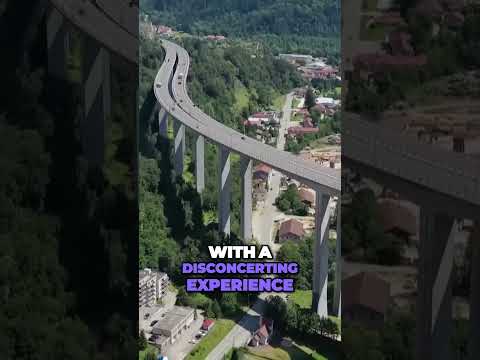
x: 394, y: 215
x: 293, y: 227
x: 263, y: 332
x: 366, y: 289
x: 384, y: 62
x: 389, y: 18
x: 207, y: 323
x: 298, y: 130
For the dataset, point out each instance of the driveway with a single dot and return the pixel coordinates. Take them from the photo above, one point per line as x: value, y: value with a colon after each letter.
x: 264, y: 216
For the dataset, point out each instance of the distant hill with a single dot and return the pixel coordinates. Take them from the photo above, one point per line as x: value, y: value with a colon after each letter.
x: 248, y: 17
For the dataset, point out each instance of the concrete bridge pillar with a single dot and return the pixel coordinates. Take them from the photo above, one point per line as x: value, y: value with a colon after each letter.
x: 337, y: 296
x: 246, y: 207
x: 92, y: 75
x: 57, y: 42
x: 179, y: 147
x: 200, y: 163
x: 474, y: 321
x: 162, y: 122
x: 320, y: 254
x: 224, y: 190
x: 434, y: 300
x: 97, y: 101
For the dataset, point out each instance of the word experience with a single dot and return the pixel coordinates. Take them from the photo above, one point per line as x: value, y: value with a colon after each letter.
x: 236, y: 284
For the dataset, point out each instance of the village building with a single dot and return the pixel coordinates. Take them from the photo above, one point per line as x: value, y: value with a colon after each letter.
x: 208, y: 324
x: 397, y: 219
x: 174, y: 323
x: 299, y: 130
x: 262, y: 335
x: 262, y: 174
x: 365, y: 299
x: 291, y: 230
x: 307, y: 196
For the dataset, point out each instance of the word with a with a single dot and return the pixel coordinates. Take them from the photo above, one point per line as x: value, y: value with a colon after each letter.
x: 239, y: 252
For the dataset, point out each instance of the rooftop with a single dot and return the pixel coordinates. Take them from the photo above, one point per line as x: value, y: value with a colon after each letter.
x: 366, y: 289
x: 293, y: 227
x: 173, y: 317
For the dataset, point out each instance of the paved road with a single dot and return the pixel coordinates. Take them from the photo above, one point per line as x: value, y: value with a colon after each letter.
x: 263, y: 218
x: 241, y: 332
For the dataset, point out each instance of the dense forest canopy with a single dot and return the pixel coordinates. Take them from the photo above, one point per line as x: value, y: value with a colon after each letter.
x: 248, y: 17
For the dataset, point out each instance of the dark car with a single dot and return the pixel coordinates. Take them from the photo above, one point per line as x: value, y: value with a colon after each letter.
x: 153, y: 322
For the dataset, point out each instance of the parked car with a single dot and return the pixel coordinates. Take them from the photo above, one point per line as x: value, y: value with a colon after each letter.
x: 146, y: 316
x: 153, y: 322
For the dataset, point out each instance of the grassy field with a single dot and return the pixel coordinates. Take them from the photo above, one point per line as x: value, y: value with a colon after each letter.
x: 241, y: 97
x: 302, y: 298
x: 221, y: 328
x: 295, y: 352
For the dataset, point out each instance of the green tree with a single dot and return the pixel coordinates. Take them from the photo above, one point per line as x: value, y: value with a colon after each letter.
x: 229, y: 303
x: 309, y: 98
x: 142, y: 341
x: 150, y: 355
x: 216, y: 309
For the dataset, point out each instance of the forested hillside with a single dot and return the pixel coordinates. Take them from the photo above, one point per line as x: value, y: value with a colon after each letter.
x: 248, y: 17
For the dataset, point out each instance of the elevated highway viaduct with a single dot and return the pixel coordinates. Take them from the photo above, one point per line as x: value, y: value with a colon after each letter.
x: 171, y: 93
x: 446, y: 187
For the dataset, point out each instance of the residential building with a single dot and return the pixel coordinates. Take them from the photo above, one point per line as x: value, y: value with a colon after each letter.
x: 299, y: 130
x: 365, y: 299
x: 307, y: 196
x: 297, y: 58
x: 291, y: 230
x: 261, y: 181
x: 152, y: 286
x: 260, y: 337
x: 174, y: 323
x: 397, y: 219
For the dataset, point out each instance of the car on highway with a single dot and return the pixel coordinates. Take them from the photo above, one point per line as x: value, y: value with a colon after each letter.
x: 243, y: 137
x: 158, y: 84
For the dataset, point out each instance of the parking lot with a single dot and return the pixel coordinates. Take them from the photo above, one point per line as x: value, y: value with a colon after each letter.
x: 155, y: 312
x: 183, y: 346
